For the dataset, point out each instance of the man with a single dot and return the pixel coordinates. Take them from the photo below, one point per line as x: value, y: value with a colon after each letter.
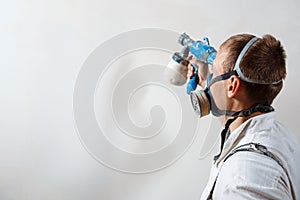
x: 259, y: 157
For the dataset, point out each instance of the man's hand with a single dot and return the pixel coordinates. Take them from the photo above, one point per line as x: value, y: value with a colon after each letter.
x: 203, y: 70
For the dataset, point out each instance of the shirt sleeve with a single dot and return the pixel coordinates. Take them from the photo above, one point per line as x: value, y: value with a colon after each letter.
x: 249, y: 175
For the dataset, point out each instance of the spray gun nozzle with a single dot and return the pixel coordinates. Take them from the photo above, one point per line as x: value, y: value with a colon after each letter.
x: 185, y: 40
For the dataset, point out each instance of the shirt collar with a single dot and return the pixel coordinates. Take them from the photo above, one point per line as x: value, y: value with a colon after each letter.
x: 253, y: 124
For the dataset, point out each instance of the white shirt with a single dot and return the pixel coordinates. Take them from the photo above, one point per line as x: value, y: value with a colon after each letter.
x: 250, y: 175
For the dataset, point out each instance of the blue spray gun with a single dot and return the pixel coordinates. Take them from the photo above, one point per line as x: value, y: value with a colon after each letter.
x: 176, y: 71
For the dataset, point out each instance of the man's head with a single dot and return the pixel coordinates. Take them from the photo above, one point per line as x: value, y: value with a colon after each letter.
x: 264, y: 61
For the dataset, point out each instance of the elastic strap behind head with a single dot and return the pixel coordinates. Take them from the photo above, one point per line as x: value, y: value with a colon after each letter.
x: 238, y: 69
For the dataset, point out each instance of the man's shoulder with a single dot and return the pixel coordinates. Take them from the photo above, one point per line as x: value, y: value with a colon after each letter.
x: 248, y: 163
x: 252, y: 173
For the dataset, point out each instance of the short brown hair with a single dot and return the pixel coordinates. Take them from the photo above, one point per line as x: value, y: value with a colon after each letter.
x: 264, y: 61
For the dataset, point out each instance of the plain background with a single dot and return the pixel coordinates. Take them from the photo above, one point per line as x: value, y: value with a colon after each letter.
x: 43, y: 45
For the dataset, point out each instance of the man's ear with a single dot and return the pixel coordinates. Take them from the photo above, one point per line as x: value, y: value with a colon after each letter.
x: 233, y: 86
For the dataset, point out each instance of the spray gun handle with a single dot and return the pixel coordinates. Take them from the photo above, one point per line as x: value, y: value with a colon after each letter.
x: 192, y: 84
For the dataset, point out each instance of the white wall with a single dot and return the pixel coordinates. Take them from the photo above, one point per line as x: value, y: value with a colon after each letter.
x: 45, y: 44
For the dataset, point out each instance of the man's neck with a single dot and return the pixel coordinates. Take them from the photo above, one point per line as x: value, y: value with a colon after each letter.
x: 241, y: 120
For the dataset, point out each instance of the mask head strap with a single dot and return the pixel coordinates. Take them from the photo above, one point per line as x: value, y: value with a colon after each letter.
x: 238, y: 69
x: 221, y: 77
